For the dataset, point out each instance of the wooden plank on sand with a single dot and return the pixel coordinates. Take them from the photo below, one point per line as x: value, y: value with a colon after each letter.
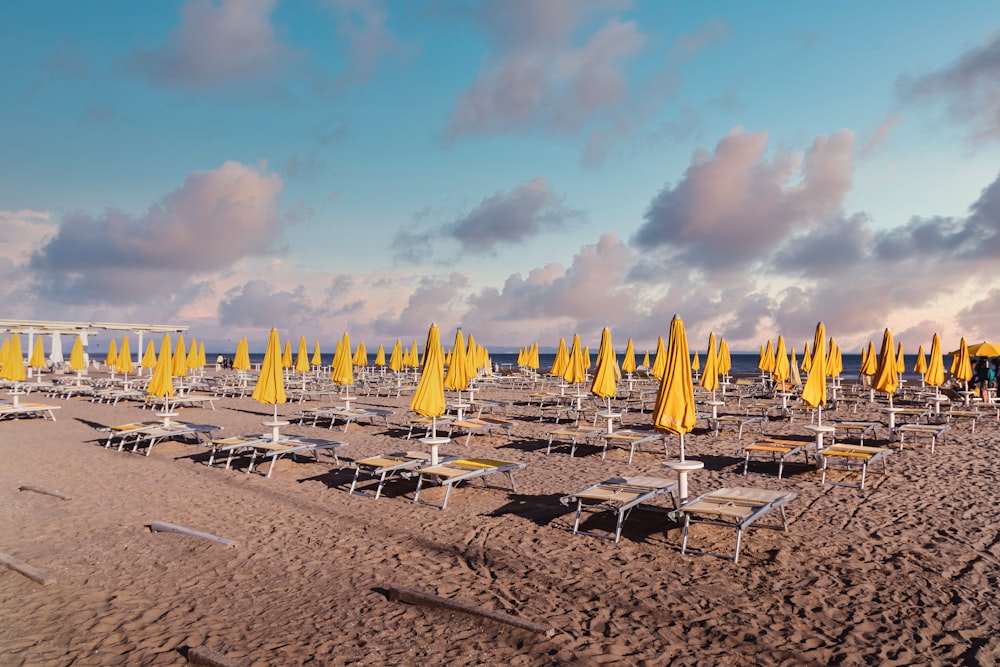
x: 30, y: 572
x: 199, y: 655
x: 164, y: 527
x: 413, y: 596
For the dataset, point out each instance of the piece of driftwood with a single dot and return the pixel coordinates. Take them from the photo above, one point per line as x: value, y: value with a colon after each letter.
x: 206, y: 657
x: 164, y: 527
x: 30, y: 572
x: 48, y: 492
x: 413, y: 596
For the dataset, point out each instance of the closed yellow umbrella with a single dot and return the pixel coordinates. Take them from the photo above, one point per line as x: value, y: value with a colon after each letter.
x: 806, y: 358
x: 710, y: 378
x: 396, y: 358
x: 428, y: 399
x: 413, y: 361
x: 793, y: 371
x: 112, y: 357
x: 192, y: 357
x: 869, y: 361
x: 645, y: 360
x: 161, y: 384
x: 725, y: 360
x: 920, y: 365
x: 963, y: 365
x: 628, y: 363
x: 886, y: 376
x: 695, y: 361
x: 37, y: 359
x: 179, y: 368
x: 317, y: 358
x: 831, y: 358
x: 201, y: 354
x: 660, y: 360
x: 900, y: 360
x: 766, y: 362
x: 934, y: 375
x: 270, y: 386
x: 361, y: 356
x: 4, y: 348
x: 674, y: 409
x: 575, y: 372
x: 343, y: 369
x: 13, y: 365
x: 781, y: 366
x: 241, y: 361
x: 76, y: 360
x: 587, y: 362
x: 149, y: 357
x: 561, y: 359
x: 814, y: 391
x: 124, y: 364
x: 286, y: 357
x: 605, y: 383
x: 302, y: 357
x: 457, y: 378
x: 533, y: 362
x: 380, y: 356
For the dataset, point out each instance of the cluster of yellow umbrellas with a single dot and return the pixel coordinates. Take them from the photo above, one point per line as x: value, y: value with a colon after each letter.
x: 12, y: 363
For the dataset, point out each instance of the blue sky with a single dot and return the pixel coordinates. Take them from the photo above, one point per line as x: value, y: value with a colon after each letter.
x: 523, y: 169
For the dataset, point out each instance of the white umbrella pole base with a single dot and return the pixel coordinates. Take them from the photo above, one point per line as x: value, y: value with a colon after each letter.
x: 682, y: 468
x: 166, y: 417
x: 434, y: 443
x: 275, y: 427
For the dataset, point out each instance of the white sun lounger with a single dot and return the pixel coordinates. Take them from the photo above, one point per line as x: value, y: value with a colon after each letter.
x: 573, y: 434
x: 387, y: 466
x: 932, y: 431
x: 778, y: 448
x: 619, y: 495
x: 154, y: 434
x: 734, y: 507
x: 853, y: 456
x: 290, y: 447
x: 469, y: 426
x: 452, y: 473
x: 633, y: 439
x: 8, y: 411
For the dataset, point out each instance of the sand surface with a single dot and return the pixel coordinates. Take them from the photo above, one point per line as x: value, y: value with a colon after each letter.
x: 904, y: 572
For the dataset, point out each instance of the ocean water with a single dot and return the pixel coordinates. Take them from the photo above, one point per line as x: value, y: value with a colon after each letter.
x: 743, y: 364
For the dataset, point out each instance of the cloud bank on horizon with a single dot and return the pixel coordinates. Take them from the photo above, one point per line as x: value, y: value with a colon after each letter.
x: 526, y: 170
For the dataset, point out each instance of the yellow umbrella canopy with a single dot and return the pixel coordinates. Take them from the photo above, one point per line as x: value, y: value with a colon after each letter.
x: 725, y: 361
x: 695, y: 361
x: 270, y: 386
x: 645, y: 360
x: 76, y: 361
x: 869, y: 362
x: 179, y: 368
x: 831, y: 358
x: 37, y: 359
x: 302, y: 357
x: 533, y: 357
x: 674, y: 409
x: 317, y: 358
x: 806, y: 358
x: 934, y: 375
x: 457, y: 378
x: 962, y: 369
x: 343, y: 370
x: 766, y: 361
x: 562, y: 358
x: 361, y: 355
x: 4, y: 348
x: 781, y: 366
x: 112, y: 356
x: 587, y: 362
x: 13, y: 365
x: 793, y: 371
x: 660, y: 360
x: 628, y: 363
x: 814, y: 391
x: 149, y: 358
x: 920, y: 366
x: 241, y: 361
x: 124, y: 364
x: 605, y: 384
x: 984, y: 349
x: 286, y: 357
x: 839, y: 366
x: 710, y: 378
x: 575, y: 372
x: 413, y: 360
x: 201, y: 354
x: 162, y: 383
x: 380, y: 356
x: 900, y: 360
x: 396, y: 358
x: 428, y: 399
x: 886, y: 376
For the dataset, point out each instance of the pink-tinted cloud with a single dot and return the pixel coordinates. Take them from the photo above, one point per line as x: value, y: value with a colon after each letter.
x: 218, y: 43
x: 257, y: 304
x: 538, y: 75
x: 212, y: 220
x: 435, y: 299
x: 734, y: 205
x: 969, y: 87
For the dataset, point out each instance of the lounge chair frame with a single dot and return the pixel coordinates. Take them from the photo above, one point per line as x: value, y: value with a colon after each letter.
x: 619, y: 495
x: 452, y: 473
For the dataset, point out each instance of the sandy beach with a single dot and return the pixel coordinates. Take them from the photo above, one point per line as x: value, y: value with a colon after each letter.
x: 904, y: 572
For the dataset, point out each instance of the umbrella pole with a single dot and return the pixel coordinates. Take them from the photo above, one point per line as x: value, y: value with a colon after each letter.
x: 682, y: 446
